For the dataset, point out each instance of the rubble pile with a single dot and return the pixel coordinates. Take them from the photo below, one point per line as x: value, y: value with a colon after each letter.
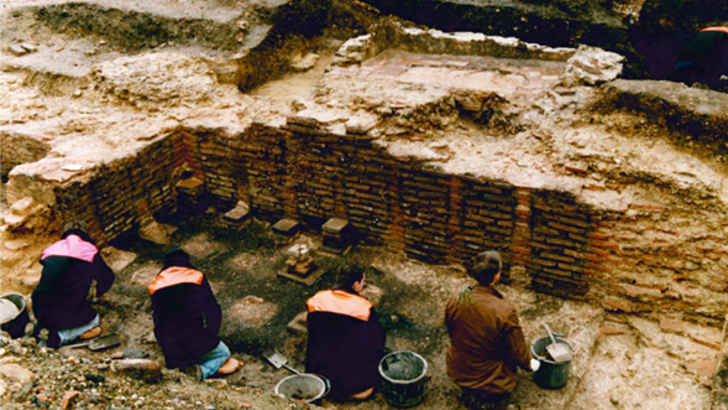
x: 38, y: 377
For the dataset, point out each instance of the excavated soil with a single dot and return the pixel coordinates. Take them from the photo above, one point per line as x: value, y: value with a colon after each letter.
x: 90, y: 94
x: 621, y: 361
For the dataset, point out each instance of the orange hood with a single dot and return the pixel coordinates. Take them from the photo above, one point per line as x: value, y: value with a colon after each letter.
x: 341, y: 302
x: 717, y: 28
x: 175, y: 275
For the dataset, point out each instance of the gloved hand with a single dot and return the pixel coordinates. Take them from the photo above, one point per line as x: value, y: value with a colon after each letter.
x: 535, y: 365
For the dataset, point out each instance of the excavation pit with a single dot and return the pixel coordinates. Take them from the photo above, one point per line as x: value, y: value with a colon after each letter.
x: 433, y: 146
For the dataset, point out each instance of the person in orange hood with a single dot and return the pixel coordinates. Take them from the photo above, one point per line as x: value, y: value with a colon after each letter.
x: 187, y: 318
x: 704, y: 59
x: 345, y: 340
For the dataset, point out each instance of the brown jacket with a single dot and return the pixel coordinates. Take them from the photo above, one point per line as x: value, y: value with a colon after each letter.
x: 486, y: 341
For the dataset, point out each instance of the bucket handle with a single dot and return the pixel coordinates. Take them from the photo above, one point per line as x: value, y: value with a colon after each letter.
x: 542, y: 358
x: 328, y: 386
x: 326, y: 381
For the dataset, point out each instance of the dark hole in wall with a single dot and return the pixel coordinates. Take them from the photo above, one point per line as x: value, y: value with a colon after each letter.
x: 127, y: 239
x: 312, y: 222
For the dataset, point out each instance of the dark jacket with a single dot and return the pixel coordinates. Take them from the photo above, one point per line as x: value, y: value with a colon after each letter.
x: 60, y: 301
x: 186, y: 315
x: 486, y: 341
x: 704, y: 59
x: 345, y: 342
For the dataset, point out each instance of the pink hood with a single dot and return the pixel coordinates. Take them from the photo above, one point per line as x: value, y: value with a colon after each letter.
x: 72, y: 247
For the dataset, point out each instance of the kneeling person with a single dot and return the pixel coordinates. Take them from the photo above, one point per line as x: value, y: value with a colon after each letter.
x: 60, y: 301
x: 345, y: 340
x: 187, y: 318
x: 487, y: 344
x: 704, y: 59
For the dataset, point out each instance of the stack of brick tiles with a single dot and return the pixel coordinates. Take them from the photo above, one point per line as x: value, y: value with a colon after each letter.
x: 521, y: 241
x: 559, y: 238
x: 653, y: 265
x: 317, y: 170
x: 426, y: 206
x: 372, y: 192
x: 600, y: 259
x: 259, y: 168
x: 488, y: 218
x: 212, y: 151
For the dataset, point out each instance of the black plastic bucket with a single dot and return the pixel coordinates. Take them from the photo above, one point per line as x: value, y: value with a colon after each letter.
x: 15, y: 325
x: 550, y: 375
x: 403, y: 378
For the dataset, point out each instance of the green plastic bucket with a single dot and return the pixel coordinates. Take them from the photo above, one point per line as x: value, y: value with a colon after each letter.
x: 550, y: 375
x: 403, y: 378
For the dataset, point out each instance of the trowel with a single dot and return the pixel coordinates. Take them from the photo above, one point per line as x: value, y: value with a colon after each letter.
x: 559, y: 352
x: 278, y: 360
x: 100, y: 343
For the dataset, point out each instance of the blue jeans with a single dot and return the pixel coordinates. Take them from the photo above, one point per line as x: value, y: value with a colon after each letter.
x: 68, y: 335
x: 213, y: 360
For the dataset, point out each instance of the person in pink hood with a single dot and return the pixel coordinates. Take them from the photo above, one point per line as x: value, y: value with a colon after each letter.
x: 60, y: 301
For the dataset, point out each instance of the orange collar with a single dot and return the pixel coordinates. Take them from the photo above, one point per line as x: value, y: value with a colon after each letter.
x: 175, y: 275
x: 341, y: 302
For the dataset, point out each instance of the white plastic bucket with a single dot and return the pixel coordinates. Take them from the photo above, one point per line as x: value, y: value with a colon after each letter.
x: 308, y: 387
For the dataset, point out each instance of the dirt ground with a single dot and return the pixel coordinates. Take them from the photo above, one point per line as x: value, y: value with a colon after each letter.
x: 621, y: 361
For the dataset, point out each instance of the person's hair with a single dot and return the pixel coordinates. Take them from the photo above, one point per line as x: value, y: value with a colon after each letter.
x: 487, y: 265
x: 79, y: 229
x: 349, y: 273
x: 177, y: 257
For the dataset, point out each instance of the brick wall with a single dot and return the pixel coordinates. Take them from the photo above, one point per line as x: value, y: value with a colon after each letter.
x: 559, y: 238
x: 309, y: 173
x: 125, y: 194
x: 488, y: 218
x: 306, y: 172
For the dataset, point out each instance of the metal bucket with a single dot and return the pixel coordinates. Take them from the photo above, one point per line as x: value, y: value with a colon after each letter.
x: 403, y: 378
x: 308, y: 387
x: 550, y: 375
x: 14, y: 323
